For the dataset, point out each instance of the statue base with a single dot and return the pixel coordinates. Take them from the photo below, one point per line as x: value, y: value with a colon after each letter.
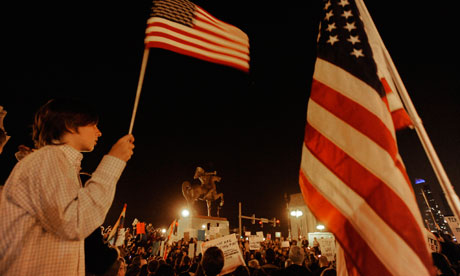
x: 202, y: 228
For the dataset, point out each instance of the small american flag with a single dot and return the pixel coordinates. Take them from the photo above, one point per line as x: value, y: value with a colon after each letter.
x: 183, y: 27
x: 351, y: 176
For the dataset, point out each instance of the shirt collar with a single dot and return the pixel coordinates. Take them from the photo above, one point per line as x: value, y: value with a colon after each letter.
x: 73, y: 155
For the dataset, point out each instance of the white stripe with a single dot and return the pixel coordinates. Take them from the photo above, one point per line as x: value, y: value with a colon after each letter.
x: 354, y: 89
x: 388, y: 246
x: 205, y: 16
x: 197, y: 50
x: 213, y: 29
x: 215, y: 47
x: 394, y: 102
x: 217, y: 40
x: 364, y: 151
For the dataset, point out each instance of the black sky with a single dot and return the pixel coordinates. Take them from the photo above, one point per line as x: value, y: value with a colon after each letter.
x: 247, y: 127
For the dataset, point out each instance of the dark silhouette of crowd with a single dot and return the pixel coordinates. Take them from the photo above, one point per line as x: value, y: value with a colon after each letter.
x: 139, y: 255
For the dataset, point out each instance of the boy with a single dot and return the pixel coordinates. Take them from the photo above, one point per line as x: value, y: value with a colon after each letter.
x: 46, y: 212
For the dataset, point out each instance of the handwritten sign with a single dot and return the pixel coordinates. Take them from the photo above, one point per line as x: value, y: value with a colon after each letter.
x: 232, y: 254
x: 433, y: 243
x: 327, y: 246
x: 254, y: 242
x: 454, y: 226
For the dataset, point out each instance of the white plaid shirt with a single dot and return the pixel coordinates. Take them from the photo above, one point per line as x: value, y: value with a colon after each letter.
x: 45, y: 213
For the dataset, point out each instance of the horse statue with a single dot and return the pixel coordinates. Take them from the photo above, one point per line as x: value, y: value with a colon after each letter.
x: 206, y: 191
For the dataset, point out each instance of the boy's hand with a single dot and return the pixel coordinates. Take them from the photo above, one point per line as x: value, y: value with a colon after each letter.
x: 123, y: 148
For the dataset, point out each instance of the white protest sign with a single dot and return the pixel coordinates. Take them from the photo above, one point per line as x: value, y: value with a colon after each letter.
x: 432, y: 242
x: 254, y: 242
x: 229, y: 245
x: 260, y: 234
x: 454, y: 226
x: 285, y: 244
x: 121, y: 237
x: 327, y: 246
x: 191, y: 250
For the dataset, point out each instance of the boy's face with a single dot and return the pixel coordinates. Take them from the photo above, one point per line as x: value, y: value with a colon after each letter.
x: 85, y: 138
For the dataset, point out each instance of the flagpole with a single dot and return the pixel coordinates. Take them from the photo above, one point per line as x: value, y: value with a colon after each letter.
x: 451, y: 196
x: 139, y: 88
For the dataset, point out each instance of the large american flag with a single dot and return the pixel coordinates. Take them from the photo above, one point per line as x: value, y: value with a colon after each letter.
x: 185, y: 28
x: 351, y: 176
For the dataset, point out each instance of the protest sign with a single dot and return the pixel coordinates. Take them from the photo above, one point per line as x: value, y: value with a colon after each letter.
x: 191, y: 250
x: 454, y: 226
x: 229, y: 245
x: 254, y: 242
x: 433, y: 243
x: 285, y: 244
x: 327, y: 247
x: 121, y: 237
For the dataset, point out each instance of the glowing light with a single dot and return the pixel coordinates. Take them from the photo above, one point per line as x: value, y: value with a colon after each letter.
x: 296, y: 213
x: 163, y: 230
x: 203, y: 226
x: 185, y: 213
x: 320, y: 227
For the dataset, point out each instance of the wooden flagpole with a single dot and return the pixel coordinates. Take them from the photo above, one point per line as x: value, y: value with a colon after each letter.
x: 451, y: 196
x: 139, y: 88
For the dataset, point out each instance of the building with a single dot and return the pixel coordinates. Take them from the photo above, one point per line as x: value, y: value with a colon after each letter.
x: 430, y: 209
x: 301, y: 219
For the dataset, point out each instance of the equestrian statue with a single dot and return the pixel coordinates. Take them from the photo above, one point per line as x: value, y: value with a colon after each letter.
x: 206, y: 191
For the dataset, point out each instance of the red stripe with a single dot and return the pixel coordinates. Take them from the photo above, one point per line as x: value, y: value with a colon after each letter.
x: 186, y: 42
x: 187, y: 34
x: 355, y: 115
x: 382, y: 199
x: 193, y: 54
x: 401, y: 119
x: 363, y: 258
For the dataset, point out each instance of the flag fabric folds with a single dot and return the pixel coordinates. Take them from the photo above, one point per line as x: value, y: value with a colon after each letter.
x: 183, y: 27
x: 352, y: 177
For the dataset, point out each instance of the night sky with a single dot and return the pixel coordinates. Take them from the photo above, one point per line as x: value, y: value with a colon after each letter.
x: 247, y: 127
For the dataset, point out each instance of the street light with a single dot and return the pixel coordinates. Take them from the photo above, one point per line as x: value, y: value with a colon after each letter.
x: 296, y: 213
x: 163, y: 230
x: 320, y: 227
x: 185, y: 213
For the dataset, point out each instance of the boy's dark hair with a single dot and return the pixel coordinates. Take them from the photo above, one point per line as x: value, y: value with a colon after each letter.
x: 212, y: 261
x: 59, y: 116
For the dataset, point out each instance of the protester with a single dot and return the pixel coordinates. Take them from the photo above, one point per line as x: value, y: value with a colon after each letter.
x: 212, y: 262
x: 269, y: 267
x: 323, y: 264
x: 44, y: 201
x: 296, y: 255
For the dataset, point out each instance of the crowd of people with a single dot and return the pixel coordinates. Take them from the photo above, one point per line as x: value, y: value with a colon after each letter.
x: 138, y: 255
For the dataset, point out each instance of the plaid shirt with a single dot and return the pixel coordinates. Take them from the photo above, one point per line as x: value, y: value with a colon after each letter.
x: 46, y: 213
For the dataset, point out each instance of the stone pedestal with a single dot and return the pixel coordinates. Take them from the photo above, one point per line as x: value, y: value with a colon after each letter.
x: 214, y: 227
